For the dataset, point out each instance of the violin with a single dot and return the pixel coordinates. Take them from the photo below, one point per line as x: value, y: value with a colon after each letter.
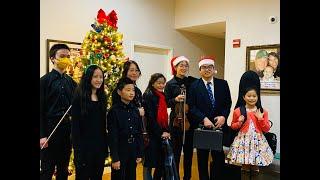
x: 181, y: 109
x: 145, y: 134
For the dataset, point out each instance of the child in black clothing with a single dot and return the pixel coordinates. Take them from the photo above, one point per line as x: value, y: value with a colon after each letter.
x: 125, y: 130
x: 157, y: 127
x: 89, y: 135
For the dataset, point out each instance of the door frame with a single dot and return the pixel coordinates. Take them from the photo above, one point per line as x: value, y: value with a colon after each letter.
x: 145, y: 45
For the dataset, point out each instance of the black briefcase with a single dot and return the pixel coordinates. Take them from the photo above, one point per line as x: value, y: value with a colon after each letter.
x: 209, y: 139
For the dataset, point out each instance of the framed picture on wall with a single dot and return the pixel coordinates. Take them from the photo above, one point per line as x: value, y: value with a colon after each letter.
x: 265, y: 61
x: 75, y: 48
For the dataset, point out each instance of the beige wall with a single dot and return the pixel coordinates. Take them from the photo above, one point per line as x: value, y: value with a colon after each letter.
x: 245, y: 19
x: 147, y: 21
x: 198, y: 12
x: 208, y: 46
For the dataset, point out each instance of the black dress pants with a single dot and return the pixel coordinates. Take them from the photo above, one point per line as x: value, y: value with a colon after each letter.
x: 57, y: 154
x: 90, y: 166
x: 217, y: 169
x: 128, y: 164
x: 177, y: 139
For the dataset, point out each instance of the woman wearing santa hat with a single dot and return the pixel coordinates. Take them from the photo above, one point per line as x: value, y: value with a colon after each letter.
x: 180, y: 67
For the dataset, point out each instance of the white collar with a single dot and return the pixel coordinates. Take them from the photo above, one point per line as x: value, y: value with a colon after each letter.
x: 205, y: 82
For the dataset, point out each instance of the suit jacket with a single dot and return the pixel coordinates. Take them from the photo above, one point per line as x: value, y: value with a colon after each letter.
x: 200, y: 105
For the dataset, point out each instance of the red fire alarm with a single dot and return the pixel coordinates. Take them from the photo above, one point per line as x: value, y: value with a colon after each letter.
x: 236, y: 43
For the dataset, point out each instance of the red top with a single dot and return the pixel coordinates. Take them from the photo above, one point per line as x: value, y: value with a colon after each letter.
x: 260, y: 125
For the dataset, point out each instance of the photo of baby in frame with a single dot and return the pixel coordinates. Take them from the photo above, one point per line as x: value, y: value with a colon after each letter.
x: 265, y: 61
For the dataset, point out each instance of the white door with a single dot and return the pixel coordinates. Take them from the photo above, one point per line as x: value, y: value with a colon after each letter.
x: 151, y: 60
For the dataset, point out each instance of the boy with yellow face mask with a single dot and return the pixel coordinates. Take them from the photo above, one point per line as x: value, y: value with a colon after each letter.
x: 61, y: 60
x: 56, y: 93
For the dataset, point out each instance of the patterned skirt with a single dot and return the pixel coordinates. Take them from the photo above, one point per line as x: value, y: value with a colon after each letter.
x: 250, y: 148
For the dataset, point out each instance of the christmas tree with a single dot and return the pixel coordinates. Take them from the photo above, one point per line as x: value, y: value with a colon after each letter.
x: 103, y: 46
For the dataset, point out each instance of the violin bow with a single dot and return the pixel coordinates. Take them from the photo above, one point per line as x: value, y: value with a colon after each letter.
x: 184, y: 112
x: 54, y: 131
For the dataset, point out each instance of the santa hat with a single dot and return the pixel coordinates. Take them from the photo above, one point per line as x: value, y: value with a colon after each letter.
x: 206, y: 60
x: 176, y: 60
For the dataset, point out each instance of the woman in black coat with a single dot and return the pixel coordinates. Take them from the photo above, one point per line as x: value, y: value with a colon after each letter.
x: 180, y: 67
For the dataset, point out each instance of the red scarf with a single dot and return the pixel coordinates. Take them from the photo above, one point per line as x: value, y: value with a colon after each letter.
x: 162, y: 115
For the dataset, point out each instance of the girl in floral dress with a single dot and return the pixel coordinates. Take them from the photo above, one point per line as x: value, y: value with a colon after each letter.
x: 250, y: 148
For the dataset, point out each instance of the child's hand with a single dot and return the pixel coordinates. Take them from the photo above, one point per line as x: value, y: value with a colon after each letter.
x: 258, y: 114
x: 116, y: 165
x: 138, y: 160
x: 241, y: 119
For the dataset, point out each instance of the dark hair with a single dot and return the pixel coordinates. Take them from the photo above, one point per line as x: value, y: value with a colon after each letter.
x: 154, y: 77
x: 250, y: 88
x: 275, y: 55
x: 126, y: 67
x: 55, y: 48
x: 84, y: 90
x: 123, y: 82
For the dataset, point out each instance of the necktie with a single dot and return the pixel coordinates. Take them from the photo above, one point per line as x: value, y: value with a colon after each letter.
x: 210, y: 94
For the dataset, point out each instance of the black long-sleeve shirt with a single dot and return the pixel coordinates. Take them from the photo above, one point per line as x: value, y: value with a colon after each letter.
x: 89, y: 131
x: 56, y: 91
x: 124, y: 122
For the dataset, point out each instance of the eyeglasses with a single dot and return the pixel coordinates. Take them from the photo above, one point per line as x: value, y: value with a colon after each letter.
x: 210, y: 67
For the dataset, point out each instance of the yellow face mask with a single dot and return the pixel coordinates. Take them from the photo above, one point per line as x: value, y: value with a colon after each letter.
x: 63, y: 63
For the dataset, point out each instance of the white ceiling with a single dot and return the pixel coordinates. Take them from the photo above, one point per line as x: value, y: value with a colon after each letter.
x: 216, y: 30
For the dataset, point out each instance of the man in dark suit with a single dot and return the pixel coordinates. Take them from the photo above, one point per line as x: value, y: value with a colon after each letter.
x: 210, y: 102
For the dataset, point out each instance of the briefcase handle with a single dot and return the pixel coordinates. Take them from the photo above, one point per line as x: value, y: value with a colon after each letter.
x: 201, y: 126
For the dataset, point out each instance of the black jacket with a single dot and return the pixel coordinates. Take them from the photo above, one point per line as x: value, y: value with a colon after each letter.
x: 200, y: 105
x: 153, y: 150
x: 124, y: 122
x: 56, y: 93
x: 89, y: 132
x: 172, y: 90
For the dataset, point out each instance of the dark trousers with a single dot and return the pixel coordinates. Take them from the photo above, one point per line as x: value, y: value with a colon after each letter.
x: 90, y: 166
x: 128, y: 165
x: 177, y: 139
x: 57, y: 154
x: 216, y: 171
